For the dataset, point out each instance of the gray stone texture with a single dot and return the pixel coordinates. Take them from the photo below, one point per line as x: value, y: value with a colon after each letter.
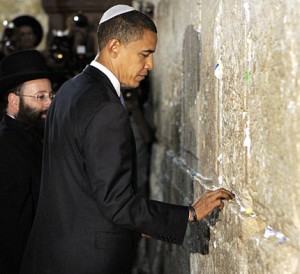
x: 237, y: 127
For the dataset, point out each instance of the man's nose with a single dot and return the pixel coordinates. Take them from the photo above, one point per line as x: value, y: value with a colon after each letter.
x: 149, y: 63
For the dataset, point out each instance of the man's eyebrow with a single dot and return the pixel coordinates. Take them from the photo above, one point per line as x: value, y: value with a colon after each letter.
x: 148, y: 51
x: 44, y: 91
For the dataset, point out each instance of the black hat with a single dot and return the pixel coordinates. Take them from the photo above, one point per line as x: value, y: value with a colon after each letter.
x: 22, y: 66
x: 26, y: 20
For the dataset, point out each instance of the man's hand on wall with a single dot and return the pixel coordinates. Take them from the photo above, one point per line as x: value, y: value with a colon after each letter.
x: 208, y: 202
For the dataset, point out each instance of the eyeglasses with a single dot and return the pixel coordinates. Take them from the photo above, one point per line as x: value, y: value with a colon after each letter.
x: 39, y: 97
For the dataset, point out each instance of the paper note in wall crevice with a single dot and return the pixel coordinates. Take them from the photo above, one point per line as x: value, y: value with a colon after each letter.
x: 218, y: 71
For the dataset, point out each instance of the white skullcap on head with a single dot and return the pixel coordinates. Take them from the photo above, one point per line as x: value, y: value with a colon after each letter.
x: 115, y: 11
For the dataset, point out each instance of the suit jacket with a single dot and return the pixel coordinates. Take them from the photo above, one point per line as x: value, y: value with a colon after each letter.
x: 20, y: 171
x: 89, y: 216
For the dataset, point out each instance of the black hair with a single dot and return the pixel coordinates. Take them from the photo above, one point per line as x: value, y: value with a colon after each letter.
x: 126, y: 27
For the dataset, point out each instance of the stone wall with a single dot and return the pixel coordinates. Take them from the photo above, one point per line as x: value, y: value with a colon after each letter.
x: 226, y: 97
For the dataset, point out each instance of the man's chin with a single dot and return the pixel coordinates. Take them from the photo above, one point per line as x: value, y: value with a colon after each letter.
x: 134, y: 84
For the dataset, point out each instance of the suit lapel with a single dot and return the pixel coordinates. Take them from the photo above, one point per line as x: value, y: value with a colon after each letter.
x: 98, y: 75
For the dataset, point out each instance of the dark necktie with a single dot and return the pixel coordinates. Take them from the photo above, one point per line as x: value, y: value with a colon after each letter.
x: 122, y: 99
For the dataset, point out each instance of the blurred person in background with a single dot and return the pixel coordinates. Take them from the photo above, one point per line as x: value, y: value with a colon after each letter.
x: 29, y: 32
x: 23, y: 32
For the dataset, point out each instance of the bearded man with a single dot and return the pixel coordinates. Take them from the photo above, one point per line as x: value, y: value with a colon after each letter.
x: 25, y: 95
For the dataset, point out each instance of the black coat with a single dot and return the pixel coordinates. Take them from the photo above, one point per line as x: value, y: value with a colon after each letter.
x: 89, y: 216
x: 20, y: 171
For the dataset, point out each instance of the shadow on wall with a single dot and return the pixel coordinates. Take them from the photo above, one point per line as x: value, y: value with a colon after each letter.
x: 199, y: 242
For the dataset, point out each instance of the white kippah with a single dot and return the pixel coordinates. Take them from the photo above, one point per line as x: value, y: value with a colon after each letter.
x: 115, y: 11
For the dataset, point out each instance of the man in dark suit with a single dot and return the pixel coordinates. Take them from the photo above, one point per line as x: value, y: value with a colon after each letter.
x: 25, y: 95
x: 89, y: 216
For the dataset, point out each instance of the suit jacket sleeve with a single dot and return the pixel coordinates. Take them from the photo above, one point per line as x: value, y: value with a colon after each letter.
x: 110, y: 167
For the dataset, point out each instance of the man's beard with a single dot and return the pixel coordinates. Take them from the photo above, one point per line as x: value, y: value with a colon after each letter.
x: 32, y: 117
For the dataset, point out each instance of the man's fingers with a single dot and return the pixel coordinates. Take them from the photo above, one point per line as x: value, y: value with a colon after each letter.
x: 220, y: 204
x: 211, y: 200
x: 225, y: 196
x: 217, y: 203
x: 220, y: 194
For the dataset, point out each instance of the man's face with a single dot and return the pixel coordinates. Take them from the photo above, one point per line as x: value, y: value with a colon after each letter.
x: 136, y: 59
x: 27, y: 37
x: 31, y: 109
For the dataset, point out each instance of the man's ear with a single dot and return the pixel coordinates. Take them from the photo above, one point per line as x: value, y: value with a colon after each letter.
x: 13, y: 102
x: 113, y: 47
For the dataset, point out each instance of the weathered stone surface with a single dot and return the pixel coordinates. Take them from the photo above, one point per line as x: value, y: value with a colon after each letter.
x: 236, y: 126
